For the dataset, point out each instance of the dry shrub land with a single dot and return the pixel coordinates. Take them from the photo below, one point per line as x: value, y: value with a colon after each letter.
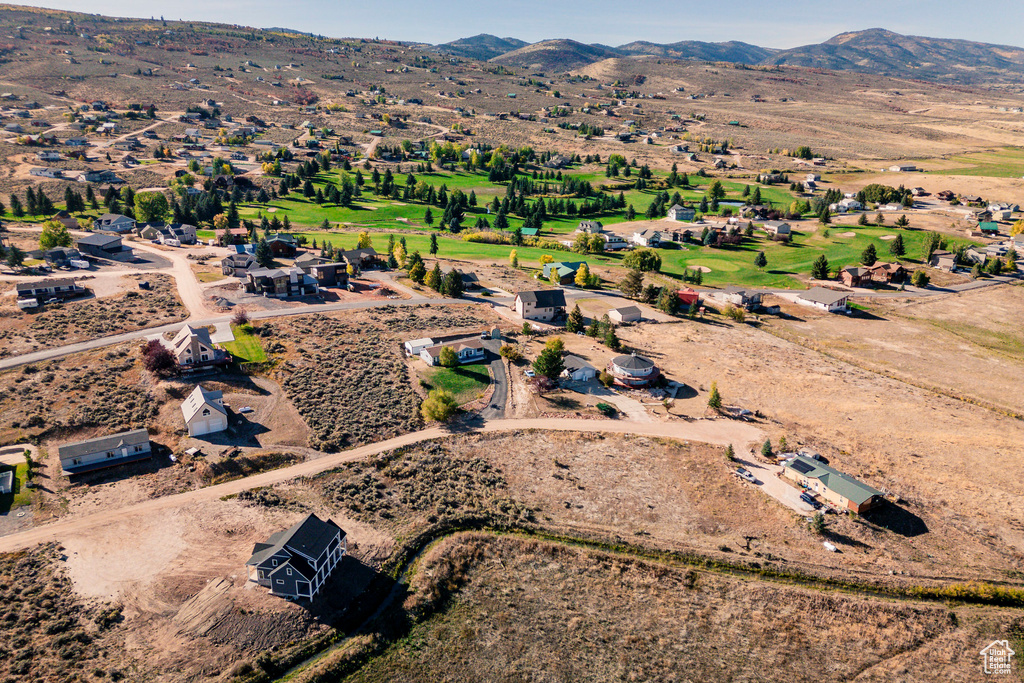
x: 62, y: 324
x: 106, y: 390
x: 512, y: 609
x: 48, y: 634
x: 346, y: 375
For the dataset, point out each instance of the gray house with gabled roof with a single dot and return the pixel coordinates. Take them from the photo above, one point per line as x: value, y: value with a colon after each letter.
x: 105, y: 451
x: 295, y: 563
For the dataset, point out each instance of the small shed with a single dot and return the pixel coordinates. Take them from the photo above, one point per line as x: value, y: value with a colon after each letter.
x: 626, y: 314
x: 578, y: 369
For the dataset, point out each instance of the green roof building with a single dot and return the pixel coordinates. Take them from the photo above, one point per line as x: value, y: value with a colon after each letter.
x: 838, y: 488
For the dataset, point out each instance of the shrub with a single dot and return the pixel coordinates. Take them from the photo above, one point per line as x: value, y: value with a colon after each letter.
x: 606, y: 378
x: 158, y: 359
x: 607, y: 409
x: 735, y: 313
x: 714, y: 398
x: 510, y: 353
x: 241, y: 317
x: 440, y: 406
x: 920, y: 279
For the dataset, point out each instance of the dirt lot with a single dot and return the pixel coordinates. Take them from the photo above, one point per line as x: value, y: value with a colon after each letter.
x: 87, y: 318
x: 570, y: 614
x: 967, y: 344
x: 189, y: 612
x: 947, y: 458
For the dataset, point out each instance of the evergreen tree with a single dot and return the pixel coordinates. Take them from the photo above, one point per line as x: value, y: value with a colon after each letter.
x: 819, y: 271
x: 668, y: 301
x: 868, y: 256
x: 760, y: 260
x: 451, y: 286
x: 433, y: 244
x: 715, y: 398
x: 574, y: 323
x: 632, y: 284
x: 428, y: 217
x: 897, y: 248
x: 434, y: 278
x: 264, y: 256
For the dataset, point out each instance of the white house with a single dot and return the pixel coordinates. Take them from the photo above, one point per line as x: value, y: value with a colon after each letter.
x: 614, y: 242
x: 778, y: 229
x: 902, y: 168
x: 542, y: 304
x: 647, y: 238
x: 681, y: 213
x: 414, y: 346
x: 204, y: 412
x: 467, y: 351
x: 826, y: 299
x: 578, y: 369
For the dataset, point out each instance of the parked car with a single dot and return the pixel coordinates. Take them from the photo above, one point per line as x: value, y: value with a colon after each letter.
x: 529, y: 372
x: 743, y: 472
x: 245, y: 409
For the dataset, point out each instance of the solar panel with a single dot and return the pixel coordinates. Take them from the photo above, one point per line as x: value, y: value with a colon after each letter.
x: 801, y: 466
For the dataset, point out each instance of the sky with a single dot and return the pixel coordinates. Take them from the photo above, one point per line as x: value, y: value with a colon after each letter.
x: 784, y: 24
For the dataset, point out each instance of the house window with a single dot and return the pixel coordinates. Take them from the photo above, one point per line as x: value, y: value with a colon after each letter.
x: 76, y: 461
x: 205, y: 357
x: 288, y: 571
x: 280, y: 582
x: 111, y: 454
x: 275, y: 562
x: 138, y: 449
x: 206, y: 411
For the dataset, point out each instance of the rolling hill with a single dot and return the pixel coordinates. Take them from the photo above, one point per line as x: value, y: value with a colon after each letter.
x: 732, y: 51
x: 891, y: 54
x: 876, y: 51
x: 555, y: 55
x: 483, y: 46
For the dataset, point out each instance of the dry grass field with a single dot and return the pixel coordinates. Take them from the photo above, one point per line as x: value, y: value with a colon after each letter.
x: 524, y: 610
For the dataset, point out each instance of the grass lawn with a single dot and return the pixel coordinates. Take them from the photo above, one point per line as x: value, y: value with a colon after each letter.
x: 20, y: 495
x: 246, y: 347
x: 1005, y: 163
x: 465, y: 382
x: 730, y: 265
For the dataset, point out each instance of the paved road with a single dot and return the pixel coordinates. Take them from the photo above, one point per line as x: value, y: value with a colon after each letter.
x: 61, y: 351
x: 495, y: 410
x: 721, y: 432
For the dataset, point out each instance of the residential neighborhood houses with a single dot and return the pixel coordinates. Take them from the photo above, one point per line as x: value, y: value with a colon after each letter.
x: 105, y: 451
x: 297, y: 562
x: 542, y: 305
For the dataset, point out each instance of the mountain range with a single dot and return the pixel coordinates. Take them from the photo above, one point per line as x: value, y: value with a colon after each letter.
x: 876, y: 51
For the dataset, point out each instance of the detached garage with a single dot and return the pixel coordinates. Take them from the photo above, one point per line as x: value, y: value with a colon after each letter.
x: 204, y: 412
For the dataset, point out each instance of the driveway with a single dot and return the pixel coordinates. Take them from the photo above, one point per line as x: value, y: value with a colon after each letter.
x: 495, y: 410
x: 631, y: 408
x: 773, y: 485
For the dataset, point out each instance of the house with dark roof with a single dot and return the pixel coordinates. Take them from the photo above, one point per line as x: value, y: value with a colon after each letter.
x: 888, y: 272
x: 204, y: 412
x: 578, y: 370
x: 854, y: 276
x: 237, y: 264
x: 295, y: 563
x: 280, y: 283
x: 104, y: 246
x: 838, y: 488
x: 544, y: 305
x: 469, y: 279
x: 326, y: 273
x: 61, y: 257
x: 115, y: 222
x: 105, y: 451
x: 361, y: 258
x: 55, y: 288
x: 634, y: 371
x: 282, y: 244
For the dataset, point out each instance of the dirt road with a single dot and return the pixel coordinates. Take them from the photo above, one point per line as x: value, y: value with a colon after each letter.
x: 189, y: 289
x: 720, y: 432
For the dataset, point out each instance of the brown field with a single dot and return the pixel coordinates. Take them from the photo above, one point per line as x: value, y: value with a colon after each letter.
x: 78, y: 320
x: 525, y: 610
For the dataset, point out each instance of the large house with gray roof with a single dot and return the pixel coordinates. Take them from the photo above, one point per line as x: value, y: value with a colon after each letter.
x: 105, y: 451
x: 193, y: 349
x: 544, y: 305
x: 296, y: 563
